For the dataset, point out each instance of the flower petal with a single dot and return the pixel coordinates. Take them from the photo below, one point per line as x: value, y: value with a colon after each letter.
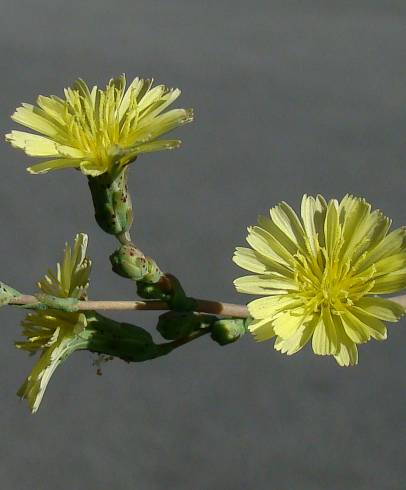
x: 93, y: 169
x: 158, y: 145
x: 381, y: 308
x: 256, y: 285
x: 375, y: 327
x: 44, y: 167
x: 392, y: 244
x: 34, y: 118
x: 347, y: 354
x: 288, y: 322
x: 332, y: 229
x: 313, y: 212
x: 390, y: 283
x: 298, y: 340
x: 268, y: 225
x: 262, y: 329
x: 269, y: 306
x: 324, y: 341
x: 286, y: 219
x: 264, y: 243
x: 248, y: 260
x: 33, y: 144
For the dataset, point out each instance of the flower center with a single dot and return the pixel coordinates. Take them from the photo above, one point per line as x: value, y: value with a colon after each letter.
x: 325, y: 282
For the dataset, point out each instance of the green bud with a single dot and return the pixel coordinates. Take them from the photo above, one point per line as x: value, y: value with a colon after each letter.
x: 7, y: 294
x: 112, y: 202
x: 175, y: 325
x: 129, y: 262
x: 129, y: 342
x: 226, y: 331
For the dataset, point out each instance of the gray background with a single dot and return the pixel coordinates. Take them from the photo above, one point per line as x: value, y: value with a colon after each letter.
x: 290, y: 97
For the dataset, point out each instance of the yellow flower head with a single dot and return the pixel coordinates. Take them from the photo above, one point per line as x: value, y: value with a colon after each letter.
x: 98, y: 130
x: 319, y: 276
x: 56, y: 334
x: 71, y: 278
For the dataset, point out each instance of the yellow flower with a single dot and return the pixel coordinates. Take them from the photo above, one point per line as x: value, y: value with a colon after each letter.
x: 56, y: 334
x: 319, y: 276
x: 71, y: 278
x: 98, y: 130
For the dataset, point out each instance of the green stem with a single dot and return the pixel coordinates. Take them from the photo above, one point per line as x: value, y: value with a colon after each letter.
x: 202, y: 305
x: 124, y: 238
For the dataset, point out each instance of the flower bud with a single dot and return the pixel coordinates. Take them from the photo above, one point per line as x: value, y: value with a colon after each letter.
x: 129, y: 342
x: 112, y: 202
x: 226, y: 331
x: 129, y: 262
x: 175, y: 325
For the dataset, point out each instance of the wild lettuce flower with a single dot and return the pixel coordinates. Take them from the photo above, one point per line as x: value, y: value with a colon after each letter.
x: 319, y: 276
x: 54, y: 333
x: 97, y: 130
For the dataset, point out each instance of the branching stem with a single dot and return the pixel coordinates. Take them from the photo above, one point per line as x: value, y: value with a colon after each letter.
x: 203, y: 305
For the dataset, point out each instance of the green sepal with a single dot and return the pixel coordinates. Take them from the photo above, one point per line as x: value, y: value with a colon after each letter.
x: 174, y: 325
x: 112, y: 202
x: 228, y: 330
x: 7, y: 293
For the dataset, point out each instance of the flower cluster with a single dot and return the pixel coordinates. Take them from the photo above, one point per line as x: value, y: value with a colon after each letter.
x: 56, y: 334
x: 319, y: 276
x: 96, y: 130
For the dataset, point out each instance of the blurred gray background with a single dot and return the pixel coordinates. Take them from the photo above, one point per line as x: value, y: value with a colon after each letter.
x: 290, y: 97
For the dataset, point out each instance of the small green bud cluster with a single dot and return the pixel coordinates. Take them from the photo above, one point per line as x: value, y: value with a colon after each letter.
x: 174, y: 325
